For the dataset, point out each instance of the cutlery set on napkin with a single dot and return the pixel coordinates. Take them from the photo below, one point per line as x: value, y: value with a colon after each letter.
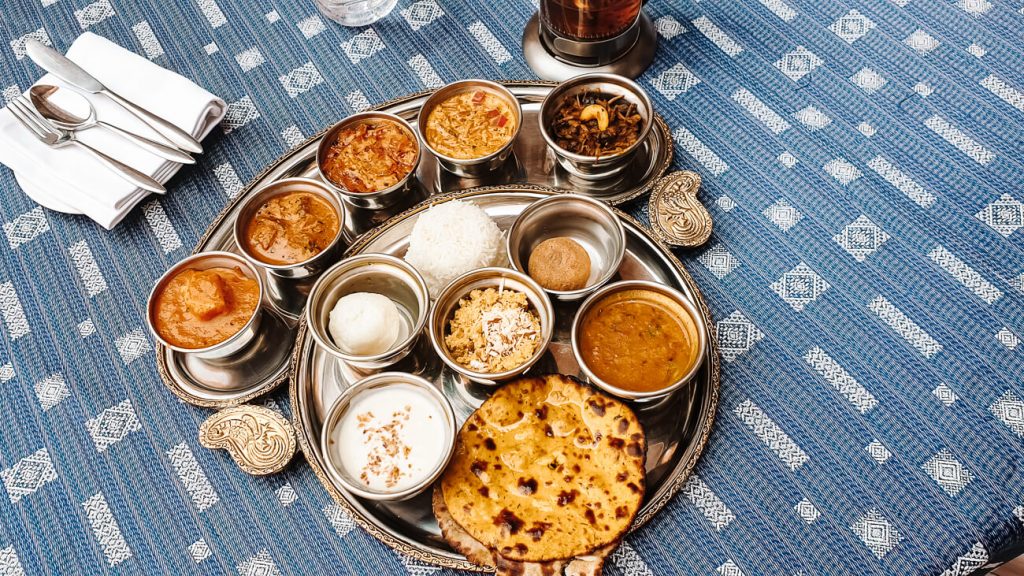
x: 103, y: 129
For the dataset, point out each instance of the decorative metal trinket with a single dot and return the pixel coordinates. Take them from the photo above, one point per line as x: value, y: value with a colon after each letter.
x: 259, y: 440
x: 677, y: 216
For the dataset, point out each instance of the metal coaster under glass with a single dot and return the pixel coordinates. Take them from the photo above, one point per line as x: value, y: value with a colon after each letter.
x: 549, y: 66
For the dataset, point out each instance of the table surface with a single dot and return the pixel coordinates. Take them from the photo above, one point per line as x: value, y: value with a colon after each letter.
x: 863, y: 165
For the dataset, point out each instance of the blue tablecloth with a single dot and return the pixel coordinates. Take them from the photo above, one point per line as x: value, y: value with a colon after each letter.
x: 863, y: 164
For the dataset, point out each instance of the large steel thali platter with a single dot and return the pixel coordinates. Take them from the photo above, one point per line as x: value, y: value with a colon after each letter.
x: 677, y: 427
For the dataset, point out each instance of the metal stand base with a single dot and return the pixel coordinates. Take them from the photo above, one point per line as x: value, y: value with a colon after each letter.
x: 550, y: 67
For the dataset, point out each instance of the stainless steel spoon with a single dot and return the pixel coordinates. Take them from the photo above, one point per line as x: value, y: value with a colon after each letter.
x: 77, y: 113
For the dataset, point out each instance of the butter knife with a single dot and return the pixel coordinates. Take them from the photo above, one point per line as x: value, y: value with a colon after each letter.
x: 60, y: 66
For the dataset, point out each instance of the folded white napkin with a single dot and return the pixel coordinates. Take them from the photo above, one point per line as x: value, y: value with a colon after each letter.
x: 69, y: 179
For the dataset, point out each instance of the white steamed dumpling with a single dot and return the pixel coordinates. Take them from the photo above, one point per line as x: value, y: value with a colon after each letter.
x: 365, y: 324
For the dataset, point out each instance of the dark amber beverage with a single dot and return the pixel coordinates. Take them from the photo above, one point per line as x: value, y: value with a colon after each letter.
x: 589, y: 20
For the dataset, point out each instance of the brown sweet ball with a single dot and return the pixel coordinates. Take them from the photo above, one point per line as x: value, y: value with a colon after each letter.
x: 560, y: 264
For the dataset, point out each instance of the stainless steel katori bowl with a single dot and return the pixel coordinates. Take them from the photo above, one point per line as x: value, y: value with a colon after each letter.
x: 471, y: 166
x: 593, y: 167
x: 306, y: 268
x: 677, y: 297
x: 589, y: 222
x: 499, y: 278
x: 381, y: 198
x: 377, y: 273
x: 203, y: 261
x: 337, y: 471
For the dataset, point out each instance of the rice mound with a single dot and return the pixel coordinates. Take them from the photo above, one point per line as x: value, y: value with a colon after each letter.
x: 451, y: 239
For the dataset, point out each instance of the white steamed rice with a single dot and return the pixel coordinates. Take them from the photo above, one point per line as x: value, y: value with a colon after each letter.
x: 451, y: 239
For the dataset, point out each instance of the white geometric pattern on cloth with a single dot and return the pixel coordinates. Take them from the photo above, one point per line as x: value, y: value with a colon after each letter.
x: 807, y: 511
x: 1004, y: 91
x: 969, y: 562
x: 88, y: 269
x: 357, y: 100
x: 718, y: 260
x: 259, y: 565
x: 813, y: 118
x: 51, y: 391
x: 6, y: 372
x: 901, y: 181
x: 339, y: 519
x: 211, y: 48
x: 841, y: 380
x: 771, y: 434
x: 1018, y: 283
x: 787, y: 159
x: 923, y: 90
x: 782, y: 214
x: 959, y: 140
x: 800, y: 286
x: 161, y: 226
x: 1007, y: 338
x: 700, y: 495
x: 1018, y: 511
x: 28, y: 475
x: 675, y: 81
x: 669, y: 27
x: 1010, y: 410
x: 10, y: 93
x: 421, y: 13
x: 866, y: 129
x: 852, y: 26
x: 974, y: 7
x: 18, y: 44
x: 717, y: 36
x: 272, y: 16
x: 192, y: 477
x: 92, y: 14
x: 10, y: 564
x: 628, y: 561
x: 489, y: 42
x: 415, y: 567
x: 905, y: 327
x: 311, y: 26
x: 133, y: 345
x: 112, y: 425
x: 12, y: 312
x: 425, y: 72
x: 945, y: 394
x: 877, y: 533
x: 199, y: 550
x: 878, y: 452
x: 736, y: 335
x: 842, y: 170
x: 212, y: 12
x: 965, y: 275
x: 301, y: 79
x: 948, y: 472
x: 869, y: 80
x: 86, y: 328
x: 292, y: 136
x: 228, y: 179
x: 26, y: 227
x: 286, y: 495
x: 105, y: 528
x: 701, y: 153
x: 238, y: 114
x: 976, y: 50
x: 921, y: 41
x: 729, y: 568
x: 1004, y: 215
x: 147, y: 39
x: 780, y: 9
x: 798, y: 63
x: 726, y: 204
x: 759, y: 110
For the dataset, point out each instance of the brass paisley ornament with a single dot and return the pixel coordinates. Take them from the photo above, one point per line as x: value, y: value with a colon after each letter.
x: 677, y: 216
x: 259, y: 440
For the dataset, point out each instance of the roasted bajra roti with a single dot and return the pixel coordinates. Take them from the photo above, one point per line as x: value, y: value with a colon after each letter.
x: 546, y: 469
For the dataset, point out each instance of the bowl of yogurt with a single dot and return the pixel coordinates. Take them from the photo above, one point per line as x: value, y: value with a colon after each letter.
x: 388, y: 436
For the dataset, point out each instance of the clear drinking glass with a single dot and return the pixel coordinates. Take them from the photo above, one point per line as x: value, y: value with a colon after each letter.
x: 355, y: 12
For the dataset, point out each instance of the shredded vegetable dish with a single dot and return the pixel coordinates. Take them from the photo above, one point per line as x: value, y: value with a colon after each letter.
x: 371, y: 156
x: 596, y: 124
x: 470, y: 125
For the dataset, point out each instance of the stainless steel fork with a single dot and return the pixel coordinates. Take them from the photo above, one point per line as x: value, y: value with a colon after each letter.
x: 55, y: 137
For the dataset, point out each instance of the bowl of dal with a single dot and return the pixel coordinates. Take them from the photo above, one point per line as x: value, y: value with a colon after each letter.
x: 639, y: 340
